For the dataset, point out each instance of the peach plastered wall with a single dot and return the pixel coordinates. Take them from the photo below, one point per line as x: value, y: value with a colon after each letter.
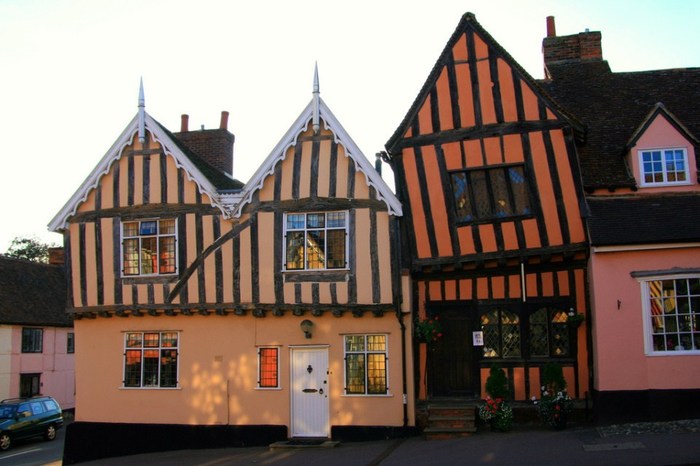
x: 218, y: 371
x: 618, y: 326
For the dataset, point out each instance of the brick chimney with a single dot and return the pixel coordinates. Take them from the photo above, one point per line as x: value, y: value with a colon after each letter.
x: 215, y: 146
x: 584, y: 46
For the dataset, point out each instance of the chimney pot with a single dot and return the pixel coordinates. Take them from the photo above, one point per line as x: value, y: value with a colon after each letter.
x: 551, y: 28
x: 184, y: 119
x: 224, y: 120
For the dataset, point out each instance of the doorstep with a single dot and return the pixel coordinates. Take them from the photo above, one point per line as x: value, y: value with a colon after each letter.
x: 304, y: 443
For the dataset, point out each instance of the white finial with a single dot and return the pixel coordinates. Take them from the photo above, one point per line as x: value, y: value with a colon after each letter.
x: 316, y: 125
x: 142, y: 114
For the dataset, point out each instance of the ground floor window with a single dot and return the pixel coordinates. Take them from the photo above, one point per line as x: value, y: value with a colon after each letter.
x: 366, y: 365
x: 268, y: 368
x: 672, y: 310
x: 532, y: 330
x: 151, y: 359
x: 29, y: 385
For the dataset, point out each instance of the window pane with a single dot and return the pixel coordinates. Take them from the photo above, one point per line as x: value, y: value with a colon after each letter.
x: 520, y: 191
x: 148, y: 228
x: 168, y: 368
x: 539, y: 337
x: 268, y: 367
x: 131, y: 257
x: 167, y: 227
x: 355, y: 343
x: 295, y: 221
x: 295, y: 250
x: 335, y: 249
x: 167, y: 254
x: 510, y: 334
x: 132, y: 368
x: 131, y: 228
x: 355, y: 373
x: 169, y: 339
x: 501, y: 204
x: 151, y: 340
x: 134, y: 340
x: 149, y: 257
x: 376, y: 373
x: 315, y: 220
x: 482, y: 200
x: 315, y: 249
x: 150, y: 368
x: 376, y: 342
x: 335, y: 220
x: 463, y: 203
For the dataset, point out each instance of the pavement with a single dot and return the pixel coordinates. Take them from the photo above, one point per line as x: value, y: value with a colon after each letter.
x: 652, y: 444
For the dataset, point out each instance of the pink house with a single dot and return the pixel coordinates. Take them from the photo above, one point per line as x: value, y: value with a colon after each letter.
x: 36, y: 334
x: 639, y: 168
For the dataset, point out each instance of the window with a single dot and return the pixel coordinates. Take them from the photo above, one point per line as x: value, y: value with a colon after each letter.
x: 268, y: 368
x: 70, y: 342
x: 148, y: 247
x: 549, y: 333
x: 29, y: 385
x: 32, y: 340
x: 491, y: 194
x: 150, y: 359
x: 664, y: 166
x: 501, y: 329
x: 316, y: 241
x: 365, y: 365
x: 673, y: 311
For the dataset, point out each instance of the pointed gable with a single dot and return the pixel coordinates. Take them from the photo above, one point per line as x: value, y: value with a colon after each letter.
x: 660, y: 111
x: 474, y: 84
x: 318, y: 111
x: 210, y: 182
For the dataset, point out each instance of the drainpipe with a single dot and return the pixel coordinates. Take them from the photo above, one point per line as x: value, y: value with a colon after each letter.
x: 396, y: 246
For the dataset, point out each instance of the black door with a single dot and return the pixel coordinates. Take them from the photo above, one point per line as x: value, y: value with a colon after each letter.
x: 452, y: 367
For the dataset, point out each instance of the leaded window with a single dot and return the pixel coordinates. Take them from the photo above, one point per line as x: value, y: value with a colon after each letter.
x: 549, y: 333
x: 366, y: 365
x: 491, y: 193
x: 148, y: 247
x: 268, y: 367
x: 151, y: 359
x: 673, y: 313
x: 501, y: 329
x: 316, y: 241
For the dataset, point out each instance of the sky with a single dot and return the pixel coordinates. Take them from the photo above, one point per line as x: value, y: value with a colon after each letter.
x: 70, y: 71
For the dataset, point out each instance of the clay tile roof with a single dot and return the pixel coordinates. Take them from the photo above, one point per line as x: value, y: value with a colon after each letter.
x: 612, y: 106
x: 629, y: 220
x: 32, y: 294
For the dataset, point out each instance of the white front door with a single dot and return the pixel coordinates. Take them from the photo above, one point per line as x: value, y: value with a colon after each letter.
x: 310, y: 392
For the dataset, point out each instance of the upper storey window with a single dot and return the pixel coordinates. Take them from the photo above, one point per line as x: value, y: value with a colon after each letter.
x: 148, y: 247
x: 316, y: 241
x: 486, y: 194
x: 663, y: 167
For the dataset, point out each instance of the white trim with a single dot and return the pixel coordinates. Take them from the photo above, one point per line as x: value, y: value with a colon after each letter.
x: 346, y: 228
x: 644, y: 184
x: 643, y: 247
x: 366, y: 352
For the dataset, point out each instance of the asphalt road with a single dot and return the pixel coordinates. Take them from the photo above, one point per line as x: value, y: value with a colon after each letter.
x: 35, y: 452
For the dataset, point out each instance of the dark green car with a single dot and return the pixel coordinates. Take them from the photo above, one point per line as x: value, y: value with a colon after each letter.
x: 22, y: 418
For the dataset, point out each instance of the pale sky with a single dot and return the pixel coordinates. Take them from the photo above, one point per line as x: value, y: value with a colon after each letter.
x: 70, y: 72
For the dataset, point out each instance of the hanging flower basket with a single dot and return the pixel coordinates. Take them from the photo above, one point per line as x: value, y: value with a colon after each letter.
x: 428, y: 330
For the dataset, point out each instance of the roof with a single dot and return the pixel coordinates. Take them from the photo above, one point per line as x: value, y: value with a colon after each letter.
x: 32, y: 293
x: 613, y: 106
x: 469, y: 22
x: 315, y: 110
x: 209, y: 180
x: 647, y: 219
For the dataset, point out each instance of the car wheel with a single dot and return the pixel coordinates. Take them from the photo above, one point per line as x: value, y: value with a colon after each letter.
x: 5, y: 441
x: 50, y: 432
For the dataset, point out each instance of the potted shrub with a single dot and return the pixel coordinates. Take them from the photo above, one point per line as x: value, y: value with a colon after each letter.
x: 496, y: 411
x: 554, y: 404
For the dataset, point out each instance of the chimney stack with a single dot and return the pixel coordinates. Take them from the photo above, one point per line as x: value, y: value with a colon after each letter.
x: 584, y: 46
x: 215, y: 146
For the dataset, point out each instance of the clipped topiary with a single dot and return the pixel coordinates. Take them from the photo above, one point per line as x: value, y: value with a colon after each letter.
x: 497, y: 383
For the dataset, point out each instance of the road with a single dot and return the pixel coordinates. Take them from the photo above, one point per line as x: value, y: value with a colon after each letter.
x: 35, y: 452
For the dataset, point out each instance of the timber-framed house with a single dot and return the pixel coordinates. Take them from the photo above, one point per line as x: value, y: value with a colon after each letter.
x: 250, y: 312
x: 486, y: 168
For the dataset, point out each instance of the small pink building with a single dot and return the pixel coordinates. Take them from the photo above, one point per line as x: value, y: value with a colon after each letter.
x: 36, y: 334
x: 639, y: 165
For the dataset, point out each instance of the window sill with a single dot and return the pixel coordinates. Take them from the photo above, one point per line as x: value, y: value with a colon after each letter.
x: 369, y: 395
x: 136, y: 279
x: 303, y: 276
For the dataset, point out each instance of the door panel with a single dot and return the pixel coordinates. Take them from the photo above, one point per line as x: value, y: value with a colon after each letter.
x: 452, y: 367
x: 310, y: 410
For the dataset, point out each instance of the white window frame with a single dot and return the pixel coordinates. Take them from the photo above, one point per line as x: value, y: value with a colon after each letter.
x: 665, y: 182
x: 159, y: 348
x: 647, y: 317
x: 279, y: 381
x: 139, y: 237
x: 346, y: 229
x: 366, y: 352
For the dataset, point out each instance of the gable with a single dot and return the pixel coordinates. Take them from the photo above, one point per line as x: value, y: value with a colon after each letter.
x: 130, y: 184
x: 475, y: 84
x: 310, y: 175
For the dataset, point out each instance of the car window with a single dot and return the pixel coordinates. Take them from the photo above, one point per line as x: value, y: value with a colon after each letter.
x: 37, y: 407
x: 7, y: 412
x: 23, y: 407
x: 50, y: 405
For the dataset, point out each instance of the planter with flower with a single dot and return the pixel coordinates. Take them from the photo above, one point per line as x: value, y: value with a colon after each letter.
x: 554, y: 404
x: 496, y: 411
x: 428, y: 330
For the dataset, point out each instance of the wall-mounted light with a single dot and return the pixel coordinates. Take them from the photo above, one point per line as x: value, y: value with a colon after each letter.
x: 306, y: 326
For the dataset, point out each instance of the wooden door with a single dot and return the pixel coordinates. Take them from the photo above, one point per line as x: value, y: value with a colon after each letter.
x: 452, y: 364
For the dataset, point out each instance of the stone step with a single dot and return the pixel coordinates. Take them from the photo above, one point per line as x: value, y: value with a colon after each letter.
x: 435, y: 433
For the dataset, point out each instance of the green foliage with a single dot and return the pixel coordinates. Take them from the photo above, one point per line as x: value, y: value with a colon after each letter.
x: 29, y: 248
x: 428, y: 330
x: 554, y: 403
x: 553, y: 378
x: 497, y: 383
